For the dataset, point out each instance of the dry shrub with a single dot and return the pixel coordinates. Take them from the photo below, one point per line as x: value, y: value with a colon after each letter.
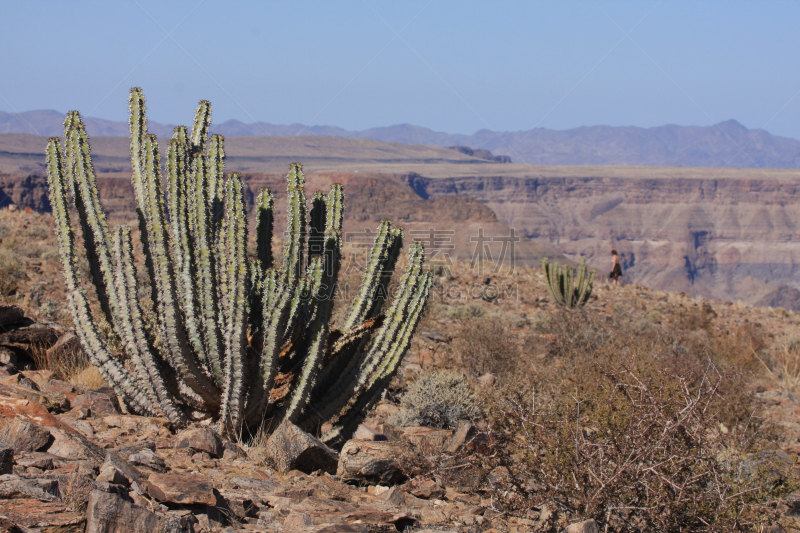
x: 783, y: 364
x: 38, y: 232
x: 463, y: 311
x: 742, y: 348
x: 484, y: 345
x: 437, y: 400
x: 641, y: 427
x: 12, y: 272
x: 697, y: 317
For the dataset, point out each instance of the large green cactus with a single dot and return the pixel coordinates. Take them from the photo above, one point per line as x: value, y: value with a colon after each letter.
x: 568, y: 288
x: 236, y: 342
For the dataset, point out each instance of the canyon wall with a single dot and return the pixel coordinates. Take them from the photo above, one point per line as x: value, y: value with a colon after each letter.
x: 449, y: 227
x: 722, y: 233
x: 721, y: 238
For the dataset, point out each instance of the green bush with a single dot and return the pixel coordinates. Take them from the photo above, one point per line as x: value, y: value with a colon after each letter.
x: 437, y: 400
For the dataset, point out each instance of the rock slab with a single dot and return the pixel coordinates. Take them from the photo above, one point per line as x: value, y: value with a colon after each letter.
x: 42, y: 516
x: 10, y: 314
x: 24, y: 436
x: 181, y: 488
x: 587, y: 526
x: 375, y: 462
x: 111, y: 513
x: 291, y: 448
x: 6, y: 459
x: 200, y: 440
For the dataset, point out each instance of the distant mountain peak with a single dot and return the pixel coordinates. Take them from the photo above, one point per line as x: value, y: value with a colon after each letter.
x: 723, y: 144
x: 732, y: 125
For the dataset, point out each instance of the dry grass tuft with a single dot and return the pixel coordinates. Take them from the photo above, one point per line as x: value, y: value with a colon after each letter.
x: 75, y: 489
x: 72, y: 367
x: 88, y: 377
x: 783, y: 365
x: 256, y: 445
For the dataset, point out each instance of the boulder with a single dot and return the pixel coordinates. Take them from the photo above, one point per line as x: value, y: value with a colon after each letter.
x: 40, y: 460
x: 427, y: 489
x: 291, y: 448
x: 487, y: 380
x: 233, y: 452
x: 67, y: 347
x: 464, y: 431
x: 110, y: 512
x: 185, y: 489
x: 10, y: 314
x: 25, y: 436
x: 36, y: 334
x: 70, y: 444
x: 426, y: 437
x: 45, y: 490
x: 364, y: 432
x: 200, y: 440
x: 375, y: 462
x: 252, y: 483
x: 6, y: 459
x: 119, y: 470
x: 587, y: 526
x: 148, y: 459
x: 42, y: 516
x: 112, y: 476
x: 102, y: 404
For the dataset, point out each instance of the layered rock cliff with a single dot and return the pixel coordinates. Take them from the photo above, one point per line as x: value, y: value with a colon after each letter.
x: 450, y: 227
x: 721, y: 238
x: 727, y: 234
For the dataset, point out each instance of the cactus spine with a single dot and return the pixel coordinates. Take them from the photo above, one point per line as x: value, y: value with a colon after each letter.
x: 568, y: 288
x: 233, y: 341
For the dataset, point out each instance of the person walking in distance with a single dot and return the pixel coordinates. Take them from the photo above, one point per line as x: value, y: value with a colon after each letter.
x: 616, y: 269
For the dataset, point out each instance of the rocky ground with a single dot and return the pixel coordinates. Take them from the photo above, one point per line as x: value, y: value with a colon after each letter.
x: 71, y: 460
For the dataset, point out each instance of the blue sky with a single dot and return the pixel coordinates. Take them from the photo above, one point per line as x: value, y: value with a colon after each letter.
x: 455, y: 66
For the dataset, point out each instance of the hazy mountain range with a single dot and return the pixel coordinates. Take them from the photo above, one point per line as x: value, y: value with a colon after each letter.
x: 727, y: 144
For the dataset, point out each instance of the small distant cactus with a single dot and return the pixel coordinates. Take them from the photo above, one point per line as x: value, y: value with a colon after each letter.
x: 568, y: 288
x: 234, y: 342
